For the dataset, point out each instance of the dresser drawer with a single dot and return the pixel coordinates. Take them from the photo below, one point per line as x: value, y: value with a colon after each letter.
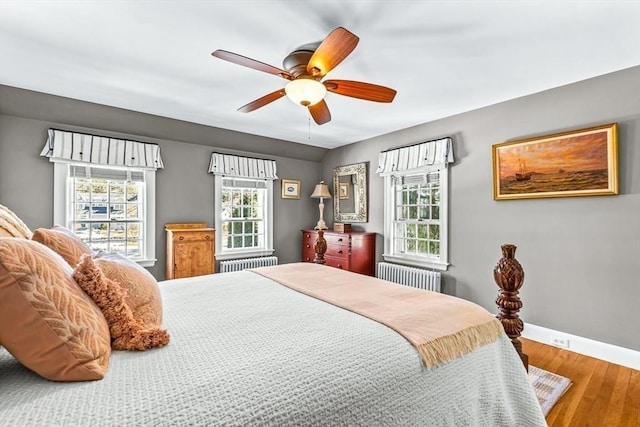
x: 308, y: 255
x: 337, y: 239
x: 341, y: 263
x: 191, y: 236
x: 337, y: 251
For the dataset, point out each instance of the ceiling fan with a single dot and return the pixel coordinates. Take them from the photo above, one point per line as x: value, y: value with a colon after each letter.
x: 305, y: 67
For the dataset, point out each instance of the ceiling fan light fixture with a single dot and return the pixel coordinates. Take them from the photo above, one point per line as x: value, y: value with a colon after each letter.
x: 305, y: 92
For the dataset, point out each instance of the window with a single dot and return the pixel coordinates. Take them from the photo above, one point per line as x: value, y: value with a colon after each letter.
x: 243, y: 200
x: 416, y: 204
x: 108, y: 208
x: 104, y: 191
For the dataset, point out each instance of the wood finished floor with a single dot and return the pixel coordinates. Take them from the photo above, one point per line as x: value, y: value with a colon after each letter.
x: 602, y: 394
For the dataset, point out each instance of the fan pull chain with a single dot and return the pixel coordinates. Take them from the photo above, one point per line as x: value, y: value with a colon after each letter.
x: 309, y: 120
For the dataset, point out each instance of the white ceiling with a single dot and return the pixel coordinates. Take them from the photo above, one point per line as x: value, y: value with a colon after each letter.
x: 443, y: 57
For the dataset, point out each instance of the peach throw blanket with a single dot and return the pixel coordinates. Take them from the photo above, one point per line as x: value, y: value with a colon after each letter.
x: 440, y: 327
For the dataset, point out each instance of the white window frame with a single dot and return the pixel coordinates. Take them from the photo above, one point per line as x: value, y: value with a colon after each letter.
x: 62, y: 199
x: 223, y: 254
x: 390, y: 253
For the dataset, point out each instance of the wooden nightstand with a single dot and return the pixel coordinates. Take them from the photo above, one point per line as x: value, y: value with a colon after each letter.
x: 190, y: 250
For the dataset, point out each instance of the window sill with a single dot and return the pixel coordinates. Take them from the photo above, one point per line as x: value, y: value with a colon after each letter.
x: 416, y: 262
x: 243, y: 254
x: 146, y: 262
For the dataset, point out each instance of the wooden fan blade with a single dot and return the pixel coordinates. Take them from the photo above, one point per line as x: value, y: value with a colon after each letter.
x: 332, y: 51
x: 261, y: 102
x: 320, y: 112
x: 251, y: 63
x: 367, y: 91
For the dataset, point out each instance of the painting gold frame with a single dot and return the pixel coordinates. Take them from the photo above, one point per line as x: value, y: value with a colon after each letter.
x: 577, y: 163
x: 290, y: 189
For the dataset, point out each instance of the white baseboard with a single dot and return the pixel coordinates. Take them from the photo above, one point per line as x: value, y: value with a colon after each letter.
x: 600, y: 350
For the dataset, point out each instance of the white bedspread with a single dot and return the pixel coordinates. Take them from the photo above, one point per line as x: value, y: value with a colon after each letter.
x: 246, y: 351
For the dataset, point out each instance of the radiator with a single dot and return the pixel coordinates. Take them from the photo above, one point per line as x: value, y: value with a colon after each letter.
x: 244, y: 263
x: 409, y: 276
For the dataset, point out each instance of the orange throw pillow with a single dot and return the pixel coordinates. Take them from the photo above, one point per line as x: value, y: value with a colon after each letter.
x: 11, y: 225
x: 46, y: 321
x: 127, y: 332
x: 64, y: 242
x: 142, y: 293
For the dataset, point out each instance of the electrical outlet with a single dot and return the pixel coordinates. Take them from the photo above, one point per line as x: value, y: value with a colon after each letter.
x: 560, y: 342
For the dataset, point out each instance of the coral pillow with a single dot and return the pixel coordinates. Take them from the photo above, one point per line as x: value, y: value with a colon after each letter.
x: 64, y: 242
x: 127, y: 332
x: 46, y: 321
x: 11, y: 225
x: 142, y: 294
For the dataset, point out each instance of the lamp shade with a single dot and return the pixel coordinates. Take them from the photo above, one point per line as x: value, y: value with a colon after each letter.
x: 305, y: 92
x: 321, y: 190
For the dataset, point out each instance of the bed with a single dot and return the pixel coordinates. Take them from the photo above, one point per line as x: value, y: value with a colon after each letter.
x: 247, y: 351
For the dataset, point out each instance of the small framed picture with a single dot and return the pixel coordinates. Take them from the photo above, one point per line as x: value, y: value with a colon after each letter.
x: 290, y: 189
x: 344, y: 190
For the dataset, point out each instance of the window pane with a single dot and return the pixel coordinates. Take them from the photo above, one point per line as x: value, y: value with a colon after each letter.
x: 435, y: 210
x: 117, y: 230
x: 133, y: 211
x: 116, y: 192
x: 237, y: 242
x: 413, y: 212
x: 237, y: 228
x: 424, y: 212
x: 434, y: 232
x: 99, y: 231
x: 411, y: 245
x: 434, y: 248
x: 423, y: 231
x: 133, y: 231
x: 248, y: 241
x: 134, y: 248
x: 81, y: 229
x: 423, y: 247
x: 248, y: 227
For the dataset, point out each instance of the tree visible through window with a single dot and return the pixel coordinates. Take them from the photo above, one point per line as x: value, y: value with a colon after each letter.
x: 243, y: 217
x: 417, y: 217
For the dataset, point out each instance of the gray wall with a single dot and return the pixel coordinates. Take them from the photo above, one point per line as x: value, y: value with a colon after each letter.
x: 184, y: 189
x: 581, y: 255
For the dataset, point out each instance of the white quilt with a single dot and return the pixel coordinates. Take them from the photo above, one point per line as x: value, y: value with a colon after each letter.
x: 246, y: 351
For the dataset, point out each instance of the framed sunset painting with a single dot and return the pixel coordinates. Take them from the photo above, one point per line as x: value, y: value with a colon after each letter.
x: 577, y: 163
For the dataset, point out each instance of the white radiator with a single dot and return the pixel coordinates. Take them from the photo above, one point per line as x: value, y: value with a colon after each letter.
x: 409, y: 276
x: 244, y: 263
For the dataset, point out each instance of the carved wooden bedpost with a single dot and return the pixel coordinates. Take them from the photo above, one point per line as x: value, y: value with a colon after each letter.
x: 509, y: 275
x: 320, y: 248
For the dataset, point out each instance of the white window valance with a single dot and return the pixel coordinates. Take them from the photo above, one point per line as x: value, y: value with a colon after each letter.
x: 417, y: 156
x: 75, y: 147
x: 242, y: 167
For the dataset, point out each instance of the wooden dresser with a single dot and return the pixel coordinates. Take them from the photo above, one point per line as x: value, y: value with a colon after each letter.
x: 354, y: 251
x: 190, y: 250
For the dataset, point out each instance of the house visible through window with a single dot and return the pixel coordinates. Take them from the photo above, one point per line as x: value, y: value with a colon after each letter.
x: 107, y: 209
x: 416, y: 203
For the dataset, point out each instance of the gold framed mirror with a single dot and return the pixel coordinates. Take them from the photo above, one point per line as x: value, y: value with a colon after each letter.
x: 350, y: 193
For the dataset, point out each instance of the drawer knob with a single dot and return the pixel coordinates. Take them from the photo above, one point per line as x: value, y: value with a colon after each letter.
x: 181, y: 238
x: 308, y: 246
x: 340, y: 239
x: 207, y: 237
x: 340, y: 251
